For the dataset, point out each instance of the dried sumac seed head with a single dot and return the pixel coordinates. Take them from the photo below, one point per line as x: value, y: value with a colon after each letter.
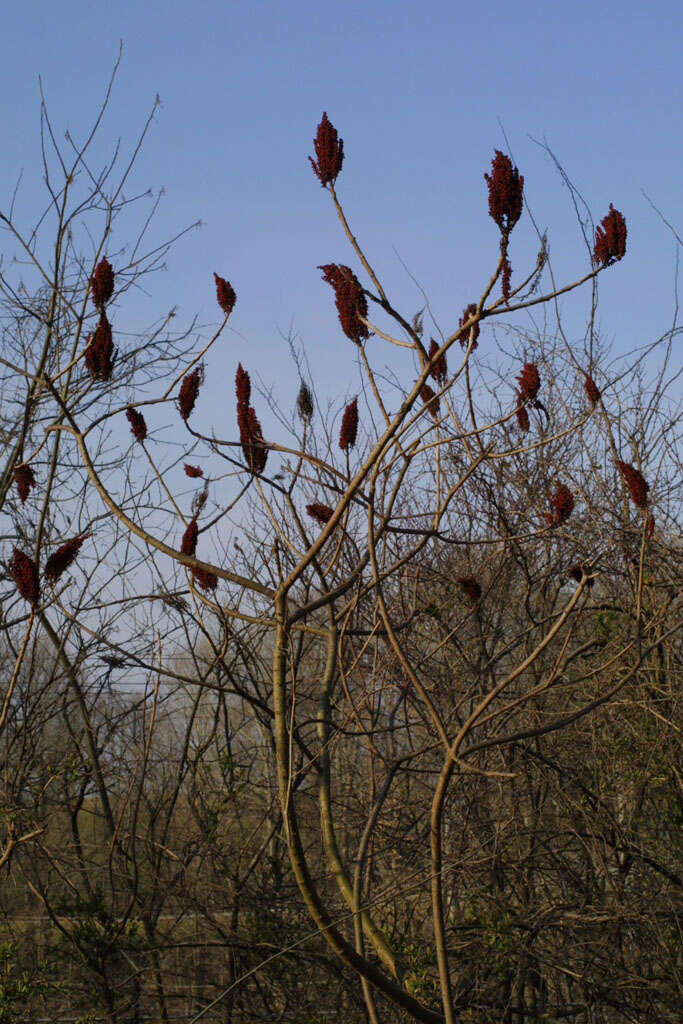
x: 650, y: 526
x: 255, y: 450
x: 473, y: 332
x: 610, y: 238
x: 99, y: 352
x: 329, y: 152
x: 138, y: 426
x: 521, y: 414
x: 193, y: 471
x: 242, y: 388
x: 63, y: 558
x: 470, y: 587
x: 225, y: 294
x: 102, y: 283
x: 636, y: 483
x: 349, y: 426
x: 24, y: 478
x: 349, y: 299
x: 592, y: 389
x: 431, y: 400
x: 439, y: 370
x: 529, y: 382
x: 304, y: 402
x: 25, y: 575
x: 189, y: 389
x: 188, y: 545
x: 204, y: 578
x: 251, y: 435
x: 321, y: 513
x: 562, y: 504
x: 506, y: 190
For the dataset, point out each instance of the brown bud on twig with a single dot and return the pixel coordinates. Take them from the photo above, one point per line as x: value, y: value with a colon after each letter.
x: 439, y: 370
x: 304, y: 402
x: 506, y: 188
x: 138, y: 426
x: 636, y: 483
x: 63, y: 558
x: 225, y: 294
x: 99, y: 352
x: 24, y: 478
x: 102, y: 283
x: 329, y: 151
x: 189, y: 389
x: 25, y: 575
x: 349, y: 299
x: 349, y: 426
x: 610, y: 238
x: 470, y: 587
x: 321, y: 513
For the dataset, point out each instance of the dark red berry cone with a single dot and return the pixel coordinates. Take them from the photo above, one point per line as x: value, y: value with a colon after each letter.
x: 24, y: 478
x: 193, y: 471
x: 592, y: 389
x: 63, y: 558
x: 439, y: 371
x: 189, y: 389
x: 188, y: 545
x: 99, y: 353
x: 610, y: 238
x: 225, y: 295
x: 102, y: 283
x: 329, y: 153
x: 138, y: 426
x: 431, y: 400
x: 349, y: 299
x: 529, y: 382
x: 25, y: 575
x: 321, y: 513
x: 349, y: 426
x: 521, y: 414
x: 562, y: 504
x: 636, y: 483
x: 506, y: 190
x: 204, y: 578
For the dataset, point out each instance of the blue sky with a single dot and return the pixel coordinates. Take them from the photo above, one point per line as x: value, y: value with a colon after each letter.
x: 419, y: 91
